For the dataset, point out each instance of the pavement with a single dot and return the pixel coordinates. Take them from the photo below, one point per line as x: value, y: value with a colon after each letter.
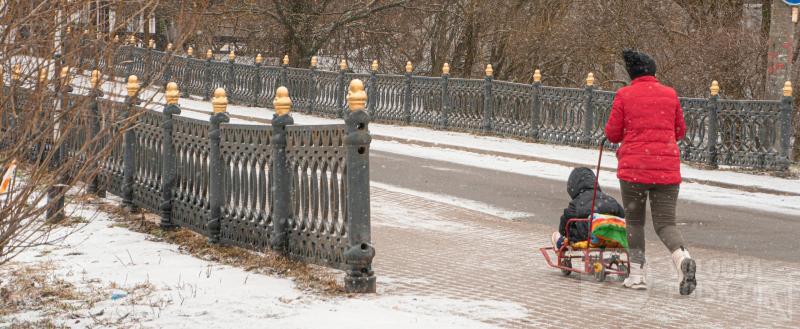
x: 426, y: 247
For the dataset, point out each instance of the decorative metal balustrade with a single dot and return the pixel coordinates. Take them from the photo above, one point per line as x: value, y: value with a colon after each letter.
x: 299, y: 190
x: 753, y: 134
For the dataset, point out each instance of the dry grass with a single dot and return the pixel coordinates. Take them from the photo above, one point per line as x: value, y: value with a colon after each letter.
x: 35, y: 288
x: 307, y: 277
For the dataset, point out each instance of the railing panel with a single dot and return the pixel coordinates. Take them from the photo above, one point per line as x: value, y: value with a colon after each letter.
x: 246, y: 213
x: 749, y: 133
x: 190, y: 202
x: 512, y: 108
x: 426, y: 100
x: 388, y: 98
x: 694, y: 146
x: 466, y: 104
x: 147, y: 159
x: 327, y: 87
x: 316, y: 159
x: 561, y: 114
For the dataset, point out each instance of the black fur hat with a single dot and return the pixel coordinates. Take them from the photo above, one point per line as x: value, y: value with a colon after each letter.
x: 638, y: 63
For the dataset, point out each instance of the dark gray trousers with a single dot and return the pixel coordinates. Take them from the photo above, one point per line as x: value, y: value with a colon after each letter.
x: 663, y: 199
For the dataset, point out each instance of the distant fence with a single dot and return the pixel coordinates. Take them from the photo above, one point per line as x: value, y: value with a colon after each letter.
x: 300, y: 190
x: 743, y: 133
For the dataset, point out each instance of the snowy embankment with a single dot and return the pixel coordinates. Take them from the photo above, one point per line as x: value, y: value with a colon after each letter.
x: 716, y: 187
x: 118, y: 277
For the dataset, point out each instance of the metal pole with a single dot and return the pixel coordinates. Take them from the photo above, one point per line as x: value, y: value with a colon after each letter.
x: 360, y: 277
x: 215, y: 183
x: 282, y: 180
x: 168, y: 167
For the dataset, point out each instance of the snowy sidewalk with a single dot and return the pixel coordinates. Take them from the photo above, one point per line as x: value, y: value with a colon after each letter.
x: 427, y: 247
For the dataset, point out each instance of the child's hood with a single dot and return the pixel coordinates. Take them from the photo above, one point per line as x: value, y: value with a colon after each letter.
x: 581, y: 179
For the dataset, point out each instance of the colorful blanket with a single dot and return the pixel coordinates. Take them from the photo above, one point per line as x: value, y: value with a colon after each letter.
x: 609, y: 228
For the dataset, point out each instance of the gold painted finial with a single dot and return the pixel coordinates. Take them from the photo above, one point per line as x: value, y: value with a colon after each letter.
x: 132, y: 39
x: 590, y: 79
x: 282, y: 102
x: 172, y: 93
x: 69, y: 29
x: 152, y: 44
x: 489, y: 70
x: 537, y: 76
x: 42, y: 75
x: 16, y: 72
x: 714, y: 88
x: 169, y: 46
x: 116, y: 39
x: 343, y: 64
x: 259, y: 59
x: 220, y: 101
x: 356, y: 96
x: 787, y: 89
x: 209, y: 54
x: 285, y: 59
x: 374, y: 66
x: 314, y: 61
x: 409, y: 67
x: 446, y: 69
x: 232, y: 56
x: 95, y: 78
x: 133, y: 85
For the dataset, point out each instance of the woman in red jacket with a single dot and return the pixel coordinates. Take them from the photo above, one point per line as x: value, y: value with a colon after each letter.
x: 647, y: 119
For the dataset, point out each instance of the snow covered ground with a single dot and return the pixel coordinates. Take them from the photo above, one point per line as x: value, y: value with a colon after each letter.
x: 140, y: 282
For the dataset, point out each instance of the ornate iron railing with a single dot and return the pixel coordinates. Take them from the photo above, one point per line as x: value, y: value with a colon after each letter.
x: 753, y: 134
x: 299, y: 190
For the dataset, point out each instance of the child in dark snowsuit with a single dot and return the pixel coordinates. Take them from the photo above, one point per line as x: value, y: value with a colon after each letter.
x: 580, y: 188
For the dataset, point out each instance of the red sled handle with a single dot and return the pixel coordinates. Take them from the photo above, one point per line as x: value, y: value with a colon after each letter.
x: 596, y: 183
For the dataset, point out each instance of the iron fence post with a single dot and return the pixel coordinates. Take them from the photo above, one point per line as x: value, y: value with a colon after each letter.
x: 407, y: 99
x: 536, y: 107
x: 229, y: 82
x: 359, y: 254
x: 588, y: 118
x: 281, y: 187
x: 258, y: 85
x: 487, y: 104
x: 168, y: 166
x: 787, y: 104
x: 216, y: 188
x: 713, y: 132
x: 168, y: 68
x: 312, y: 90
x: 371, y: 90
x: 94, y: 184
x: 284, y: 75
x: 128, y: 160
x: 445, y: 119
x: 340, y: 93
x: 207, y: 80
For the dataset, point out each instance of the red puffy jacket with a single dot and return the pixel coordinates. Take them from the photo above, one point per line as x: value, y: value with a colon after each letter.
x: 647, y: 118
